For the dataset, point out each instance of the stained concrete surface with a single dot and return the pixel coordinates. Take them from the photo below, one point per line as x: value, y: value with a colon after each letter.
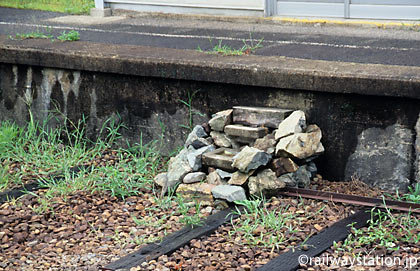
x: 322, y: 42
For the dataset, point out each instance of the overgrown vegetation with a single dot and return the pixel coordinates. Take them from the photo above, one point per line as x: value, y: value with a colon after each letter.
x: 36, y: 151
x: 387, y: 231
x: 223, y: 49
x: 64, y: 6
x: 64, y: 161
x: 64, y: 36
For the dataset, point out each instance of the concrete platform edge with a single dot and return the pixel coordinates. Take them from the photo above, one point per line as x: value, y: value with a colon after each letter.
x: 276, y: 72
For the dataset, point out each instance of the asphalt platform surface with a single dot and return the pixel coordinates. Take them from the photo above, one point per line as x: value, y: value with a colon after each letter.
x: 358, y: 44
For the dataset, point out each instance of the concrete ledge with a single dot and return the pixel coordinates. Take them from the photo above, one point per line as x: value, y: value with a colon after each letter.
x: 276, y: 72
x: 144, y: 87
x: 100, y: 12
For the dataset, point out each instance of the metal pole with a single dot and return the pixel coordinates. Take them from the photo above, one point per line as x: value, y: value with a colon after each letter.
x: 346, y: 9
x: 270, y: 8
x: 99, y: 4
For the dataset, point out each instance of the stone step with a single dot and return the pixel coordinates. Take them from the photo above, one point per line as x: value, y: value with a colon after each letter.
x: 238, y: 130
x: 259, y: 116
x: 221, y: 158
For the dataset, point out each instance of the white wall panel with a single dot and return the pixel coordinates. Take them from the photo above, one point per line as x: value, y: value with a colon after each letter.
x: 310, y: 9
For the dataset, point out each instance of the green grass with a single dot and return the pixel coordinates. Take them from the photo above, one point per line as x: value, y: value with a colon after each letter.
x: 69, y: 36
x: 413, y: 194
x: 386, y: 231
x: 64, y: 6
x: 40, y: 152
x: 191, y: 111
x: 263, y: 227
x: 36, y: 151
x: 31, y: 35
x: 226, y: 50
x: 64, y: 36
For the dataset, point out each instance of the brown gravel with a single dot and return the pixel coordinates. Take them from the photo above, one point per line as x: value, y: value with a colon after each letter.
x: 82, y: 233
x: 16, y: 168
x: 353, y: 187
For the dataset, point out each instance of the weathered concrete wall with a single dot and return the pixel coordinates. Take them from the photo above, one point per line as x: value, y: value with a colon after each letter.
x: 417, y: 152
x: 147, y: 104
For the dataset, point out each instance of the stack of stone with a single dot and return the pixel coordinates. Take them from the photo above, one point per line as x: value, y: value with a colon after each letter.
x: 244, y: 151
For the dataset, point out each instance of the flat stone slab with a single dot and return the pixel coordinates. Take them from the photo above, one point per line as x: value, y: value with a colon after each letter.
x: 238, y: 130
x: 200, y: 192
x: 220, y: 158
x: 260, y: 116
x: 240, y: 178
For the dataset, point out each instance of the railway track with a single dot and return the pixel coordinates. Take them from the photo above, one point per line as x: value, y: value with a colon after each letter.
x: 289, y: 260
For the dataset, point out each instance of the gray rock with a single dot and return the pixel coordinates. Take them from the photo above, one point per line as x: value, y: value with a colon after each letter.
x: 311, y: 167
x: 178, y: 168
x: 288, y: 179
x: 302, y: 176
x: 196, y: 133
x: 199, y: 131
x: 417, y: 152
x: 223, y: 174
x: 250, y: 158
x: 230, y: 193
x: 240, y: 178
x: 266, y: 144
x: 265, y: 183
x: 161, y: 179
x: 220, y: 139
x: 293, y: 124
x: 194, y: 177
x: 194, y: 156
x: 236, y: 145
x: 200, y: 142
x: 301, y: 145
x: 383, y: 158
x: 214, y: 178
x: 220, y: 120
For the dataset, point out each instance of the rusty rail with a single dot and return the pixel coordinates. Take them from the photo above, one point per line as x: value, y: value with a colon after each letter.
x: 351, y: 199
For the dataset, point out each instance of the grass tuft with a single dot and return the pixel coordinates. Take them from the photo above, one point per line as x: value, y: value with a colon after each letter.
x: 72, y: 35
x: 262, y: 227
x: 222, y: 49
x: 386, y: 232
